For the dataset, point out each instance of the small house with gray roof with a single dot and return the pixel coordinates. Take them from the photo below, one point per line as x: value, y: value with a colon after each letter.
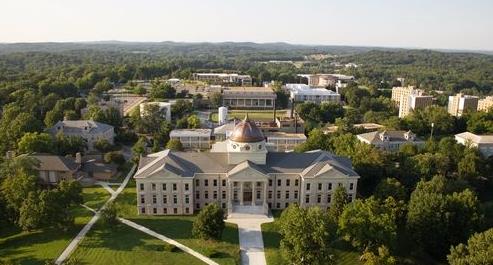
x: 390, y: 140
x: 240, y: 173
x: 90, y: 131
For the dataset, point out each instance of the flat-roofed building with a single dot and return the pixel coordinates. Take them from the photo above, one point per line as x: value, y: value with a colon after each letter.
x: 249, y: 98
x: 240, y: 175
x: 368, y: 127
x: 485, y: 104
x: 413, y: 102
x: 483, y: 142
x: 223, y: 78
x: 325, y: 80
x: 305, y: 93
x: 90, y: 131
x: 461, y: 103
x: 390, y: 140
x: 403, y: 92
x: 282, y: 141
x: 193, y: 138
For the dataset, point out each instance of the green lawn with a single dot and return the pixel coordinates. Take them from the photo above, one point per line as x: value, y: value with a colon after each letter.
x: 126, y: 245
x: 33, y: 248
x: 261, y: 115
x: 122, y: 245
x: 94, y: 197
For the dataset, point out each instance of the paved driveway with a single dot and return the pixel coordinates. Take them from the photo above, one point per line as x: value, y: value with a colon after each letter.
x: 250, y: 233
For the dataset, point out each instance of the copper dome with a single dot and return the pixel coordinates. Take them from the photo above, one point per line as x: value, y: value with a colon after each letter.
x: 247, y: 132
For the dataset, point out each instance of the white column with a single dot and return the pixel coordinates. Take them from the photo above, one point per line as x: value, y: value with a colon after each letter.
x: 241, y: 193
x: 254, y: 195
x: 265, y: 192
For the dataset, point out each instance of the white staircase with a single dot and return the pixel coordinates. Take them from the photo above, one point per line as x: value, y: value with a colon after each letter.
x: 248, y: 211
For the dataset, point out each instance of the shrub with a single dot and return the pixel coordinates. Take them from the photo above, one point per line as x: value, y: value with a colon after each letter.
x: 209, y: 223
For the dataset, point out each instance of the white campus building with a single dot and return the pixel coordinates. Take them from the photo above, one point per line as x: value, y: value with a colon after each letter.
x: 305, y: 93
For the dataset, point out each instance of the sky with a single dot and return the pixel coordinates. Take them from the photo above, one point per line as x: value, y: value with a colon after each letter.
x: 444, y: 24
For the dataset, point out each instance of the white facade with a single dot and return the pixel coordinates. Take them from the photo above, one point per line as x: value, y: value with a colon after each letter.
x: 222, y: 114
x: 305, y: 93
x: 483, y: 142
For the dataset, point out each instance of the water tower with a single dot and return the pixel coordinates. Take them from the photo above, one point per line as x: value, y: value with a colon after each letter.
x: 222, y: 115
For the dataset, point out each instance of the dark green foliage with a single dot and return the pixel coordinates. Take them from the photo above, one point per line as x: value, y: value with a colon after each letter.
x: 477, y: 251
x: 390, y: 187
x: 109, y: 215
x: 209, y: 223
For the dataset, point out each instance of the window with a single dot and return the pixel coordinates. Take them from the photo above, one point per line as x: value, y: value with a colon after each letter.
x: 339, y: 184
x: 154, y: 199
x: 287, y: 194
x: 197, y: 195
x: 307, y: 186
x: 307, y: 198
x: 278, y: 182
x: 278, y: 205
x: 142, y: 199
x: 153, y: 186
x: 187, y: 199
x: 330, y: 186
x: 165, y: 199
x: 259, y: 184
x: 164, y: 186
x: 175, y: 199
x: 319, y: 198
x: 223, y: 205
x: 142, y: 210
x: 286, y: 205
x: 258, y: 195
x: 351, y: 186
x: 270, y: 194
x: 197, y: 206
x: 296, y: 194
x: 175, y: 210
x: 270, y: 182
x: 206, y: 182
x: 270, y: 205
x: 141, y: 186
x: 165, y: 210
x: 154, y: 210
x: 288, y: 182
x: 186, y: 186
x: 296, y: 182
x: 278, y: 194
x: 214, y: 195
x: 350, y: 197
x: 319, y: 186
x: 174, y: 186
x: 197, y: 183
x: 224, y: 182
x: 329, y: 198
x: 214, y: 183
x: 187, y: 210
x: 206, y: 195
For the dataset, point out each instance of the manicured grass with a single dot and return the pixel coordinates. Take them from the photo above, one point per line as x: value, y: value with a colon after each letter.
x: 33, y: 248
x: 121, y: 244
x: 94, y: 197
x: 180, y: 228
x: 261, y: 115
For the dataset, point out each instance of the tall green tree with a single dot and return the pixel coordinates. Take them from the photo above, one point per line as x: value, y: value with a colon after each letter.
x: 339, y: 201
x: 477, y: 251
x: 35, y: 142
x: 209, y: 223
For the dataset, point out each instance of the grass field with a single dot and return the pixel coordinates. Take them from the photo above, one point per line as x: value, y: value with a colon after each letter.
x: 95, y: 197
x: 33, y: 248
x: 98, y: 247
x: 261, y: 115
x: 122, y: 245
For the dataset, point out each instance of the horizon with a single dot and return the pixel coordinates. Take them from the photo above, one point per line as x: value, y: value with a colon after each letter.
x: 382, y: 23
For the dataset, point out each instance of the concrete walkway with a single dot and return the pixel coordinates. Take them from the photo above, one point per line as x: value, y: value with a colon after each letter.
x: 250, y: 233
x: 75, y: 242
x: 106, y: 186
x: 169, y: 241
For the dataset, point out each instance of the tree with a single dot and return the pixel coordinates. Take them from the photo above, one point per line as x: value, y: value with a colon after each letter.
x: 15, y: 189
x: 305, y: 235
x: 209, y: 223
x: 369, y: 223
x: 161, y: 91
x: 181, y: 108
x: 478, y: 251
x: 139, y: 90
x: 139, y: 148
x: 69, y: 145
x: 52, y: 117
x: 175, y: 145
x: 31, y: 213
x: 35, y: 143
x: 109, y: 215
x: 59, y: 203
x: 193, y: 122
x: 339, y: 200
x: 216, y: 99
x: 383, y: 257
x: 439, y: 216
x: 103, y: 145
x: 468, y: 167
x: 114, y: 157
x: 390, y: 187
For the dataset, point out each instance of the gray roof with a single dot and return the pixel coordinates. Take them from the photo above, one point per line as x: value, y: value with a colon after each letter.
x: 191, y: 133
x: 394, y: 136
x: 80, y: 127
x: 186, y: 164
x: 55, y: 163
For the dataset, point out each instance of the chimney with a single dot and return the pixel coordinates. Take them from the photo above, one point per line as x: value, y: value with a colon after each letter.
x: 78, y: 158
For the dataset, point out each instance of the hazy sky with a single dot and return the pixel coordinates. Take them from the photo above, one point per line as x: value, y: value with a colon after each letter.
x: 454, y: 24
